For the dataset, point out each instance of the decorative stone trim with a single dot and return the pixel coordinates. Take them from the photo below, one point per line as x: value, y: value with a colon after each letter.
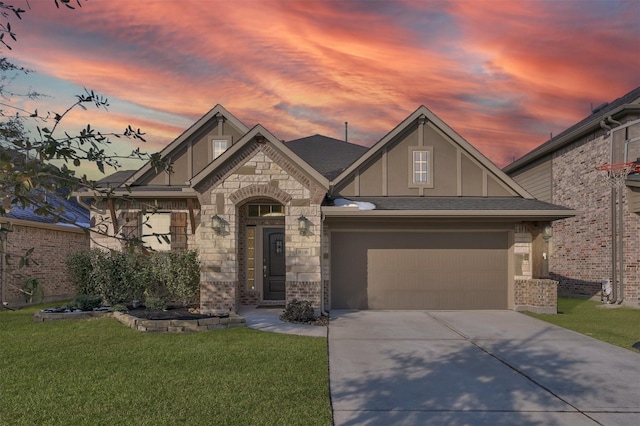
x: 256, y: 190
x: 181, y: 326
x: 539, y: 296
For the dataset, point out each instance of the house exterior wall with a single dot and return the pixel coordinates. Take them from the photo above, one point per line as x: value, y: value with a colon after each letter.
x: 52, y: 245
x: 581, y: 249
x: 196, y: 154
x: 537, y: 178
x: 103, y: 239
x: 264, y: 173
x: 454, y: 171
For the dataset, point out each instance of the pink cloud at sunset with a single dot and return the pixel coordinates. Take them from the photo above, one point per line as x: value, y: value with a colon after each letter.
x: 502, y: 74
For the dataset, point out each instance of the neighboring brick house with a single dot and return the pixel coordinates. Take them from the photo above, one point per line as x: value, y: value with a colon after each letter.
x: 563, y: 171
x: 52, y: 243
x: 421, y: 220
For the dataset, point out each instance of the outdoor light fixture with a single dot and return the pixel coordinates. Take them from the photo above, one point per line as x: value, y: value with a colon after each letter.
x: 303, y: 225
x: 217, y: 224
x: 547, y: 232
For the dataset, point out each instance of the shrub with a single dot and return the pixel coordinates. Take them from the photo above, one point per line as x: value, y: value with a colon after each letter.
x: 298, y: 311
x: 183, y: 276
x: 80, y: 270
x: 87, y: 302
x: 119, y: 308
x: 120, y: 277
x: 153, y: 303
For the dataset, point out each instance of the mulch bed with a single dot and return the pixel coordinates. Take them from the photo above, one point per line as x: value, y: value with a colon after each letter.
x: 319, y: 321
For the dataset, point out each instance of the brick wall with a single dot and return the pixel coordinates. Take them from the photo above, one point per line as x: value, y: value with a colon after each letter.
x: 52, y: 244
x: 536, y: 295
x: 581, y: 246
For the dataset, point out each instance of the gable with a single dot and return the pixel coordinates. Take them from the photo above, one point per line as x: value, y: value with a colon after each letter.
x: 241, y: 160
x: 194, y: 149
x: 453, y: 166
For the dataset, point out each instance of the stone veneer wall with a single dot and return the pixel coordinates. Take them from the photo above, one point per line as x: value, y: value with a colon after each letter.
x: 536, y: 295
x: 581, y: 246
x: 260, y: 171
x: 52, y: 245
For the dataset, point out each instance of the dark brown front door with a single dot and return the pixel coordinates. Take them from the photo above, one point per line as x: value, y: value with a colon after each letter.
x: 273, y: 266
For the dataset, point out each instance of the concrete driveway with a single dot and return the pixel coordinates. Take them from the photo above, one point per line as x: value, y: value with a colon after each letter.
x: 475, y: 368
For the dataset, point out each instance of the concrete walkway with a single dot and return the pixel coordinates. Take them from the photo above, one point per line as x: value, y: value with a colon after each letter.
x: 475, y: 368
x: 268, y: 319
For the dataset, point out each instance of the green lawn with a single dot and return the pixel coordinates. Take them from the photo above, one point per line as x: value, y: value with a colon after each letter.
x: 101, y: 372
x: 620, y: 326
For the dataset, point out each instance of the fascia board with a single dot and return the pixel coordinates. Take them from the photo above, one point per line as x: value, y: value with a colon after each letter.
x: 41, y: 225
x: 218, y: 109
x: 185, y: 193
x: 549, y: 147
x: 500, y: 214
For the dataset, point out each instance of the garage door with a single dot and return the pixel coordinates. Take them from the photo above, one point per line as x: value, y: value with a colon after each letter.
x: 419, y: 270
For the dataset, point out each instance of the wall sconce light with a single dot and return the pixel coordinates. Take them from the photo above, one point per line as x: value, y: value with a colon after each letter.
x: 547, y: 232
x: 303, y: 225
x: 217, y: 224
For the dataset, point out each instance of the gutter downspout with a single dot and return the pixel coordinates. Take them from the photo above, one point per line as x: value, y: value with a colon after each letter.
x: 614, y: 276
x: 621, y: 243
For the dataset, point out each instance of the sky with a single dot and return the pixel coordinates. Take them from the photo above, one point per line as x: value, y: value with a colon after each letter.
x: 503, y: 74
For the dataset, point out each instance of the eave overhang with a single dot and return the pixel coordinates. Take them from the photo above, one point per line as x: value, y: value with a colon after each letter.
x: 553, y: 145
x: 181, y: 193
x: 518, y: 215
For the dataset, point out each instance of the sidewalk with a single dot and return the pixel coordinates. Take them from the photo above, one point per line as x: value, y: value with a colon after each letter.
x: 268, y: 319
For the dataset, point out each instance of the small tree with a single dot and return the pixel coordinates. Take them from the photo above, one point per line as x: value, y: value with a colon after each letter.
x: 34, y: 164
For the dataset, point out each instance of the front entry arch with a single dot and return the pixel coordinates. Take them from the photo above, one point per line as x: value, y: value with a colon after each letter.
x: 261, y: 251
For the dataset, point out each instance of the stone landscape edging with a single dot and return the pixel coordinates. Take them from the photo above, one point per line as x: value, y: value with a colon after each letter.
x: 180, y: 326
x: 233, y: 320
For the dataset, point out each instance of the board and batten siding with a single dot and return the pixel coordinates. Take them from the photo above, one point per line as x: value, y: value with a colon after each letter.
x: 537, y: 179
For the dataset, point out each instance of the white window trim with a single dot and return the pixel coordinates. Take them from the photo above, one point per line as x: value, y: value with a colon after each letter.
x: 429, y: 164
x: 227, y: 139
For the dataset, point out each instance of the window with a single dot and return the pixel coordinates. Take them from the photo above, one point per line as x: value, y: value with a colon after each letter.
x: 262, y: 210
x: 219, y: 146
x: 420, y: 167
x: 157, y: 223
x: 251, y: 258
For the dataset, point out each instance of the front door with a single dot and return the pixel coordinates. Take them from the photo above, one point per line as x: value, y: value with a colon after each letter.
x: 273, y: 264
